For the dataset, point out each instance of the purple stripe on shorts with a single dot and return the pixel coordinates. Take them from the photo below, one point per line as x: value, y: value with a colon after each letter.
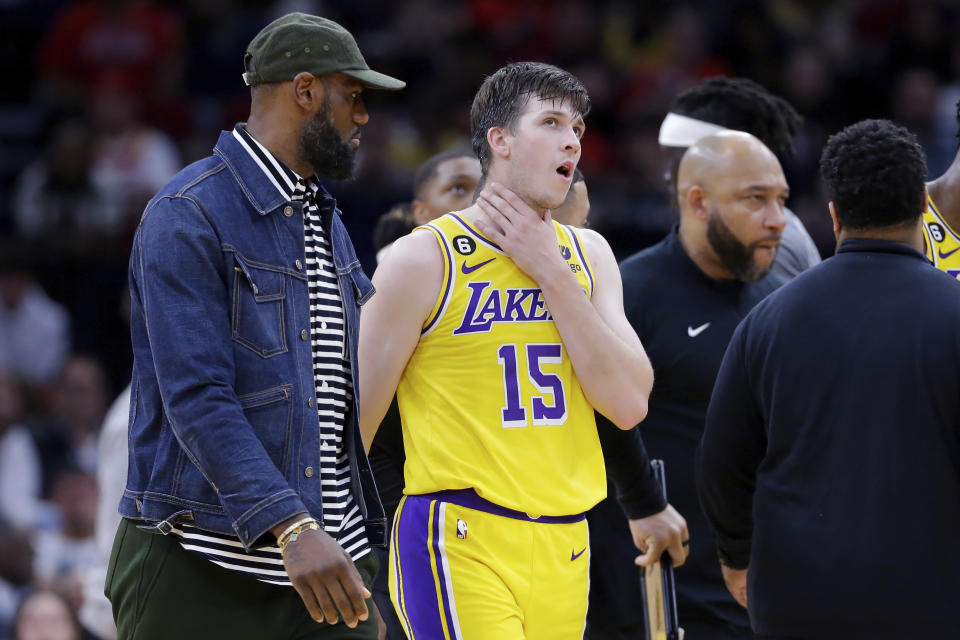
x: 396, y: 564
x: 438, y: 560
x: 478, y: 236
x: 468, y: 498
x: 417, y: 591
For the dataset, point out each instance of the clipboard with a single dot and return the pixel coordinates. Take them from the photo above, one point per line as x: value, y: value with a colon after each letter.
x: 658, y: 586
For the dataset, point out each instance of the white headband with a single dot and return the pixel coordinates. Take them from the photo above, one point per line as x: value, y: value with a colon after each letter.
x: 684, y: 131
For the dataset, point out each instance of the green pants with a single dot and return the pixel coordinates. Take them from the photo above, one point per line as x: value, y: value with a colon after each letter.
x: 159, y: 590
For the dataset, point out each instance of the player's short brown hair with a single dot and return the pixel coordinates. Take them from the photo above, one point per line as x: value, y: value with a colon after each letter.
x: 503, y: 96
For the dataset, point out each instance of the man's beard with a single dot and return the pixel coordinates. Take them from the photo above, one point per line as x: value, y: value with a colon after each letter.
x: 322, y: 147
x: 735, y: 256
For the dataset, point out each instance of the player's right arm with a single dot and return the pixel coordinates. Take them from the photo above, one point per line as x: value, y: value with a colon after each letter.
x: 408, y: 282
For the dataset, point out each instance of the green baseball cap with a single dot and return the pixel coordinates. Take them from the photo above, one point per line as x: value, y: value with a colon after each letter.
x: 300, y: 42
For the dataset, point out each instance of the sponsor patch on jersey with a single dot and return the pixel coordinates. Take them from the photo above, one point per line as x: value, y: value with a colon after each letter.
x: 936, y: 231
x: 464, y: 245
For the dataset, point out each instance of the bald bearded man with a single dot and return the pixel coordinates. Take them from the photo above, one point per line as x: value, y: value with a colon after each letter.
x: 684, y: 297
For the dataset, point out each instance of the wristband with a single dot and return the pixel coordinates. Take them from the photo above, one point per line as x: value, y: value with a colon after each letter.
x: 294, y: 530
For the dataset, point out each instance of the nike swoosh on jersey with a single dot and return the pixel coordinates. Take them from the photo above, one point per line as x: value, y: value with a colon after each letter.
x: 693, y: 333
x: 574, y: 556
x: 944, y: 256
x: 468, y: 270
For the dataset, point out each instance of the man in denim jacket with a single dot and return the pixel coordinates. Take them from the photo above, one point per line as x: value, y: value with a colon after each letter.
x: 247, y: 474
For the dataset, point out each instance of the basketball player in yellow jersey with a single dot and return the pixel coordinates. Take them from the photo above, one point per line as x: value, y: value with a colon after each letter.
x: 503, y: 332
x: 941, y: 239
x: 941, y: 220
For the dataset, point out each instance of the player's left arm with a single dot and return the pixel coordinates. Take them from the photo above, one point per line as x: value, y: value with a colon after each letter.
x: 611, y: 364
x: 407, y: 282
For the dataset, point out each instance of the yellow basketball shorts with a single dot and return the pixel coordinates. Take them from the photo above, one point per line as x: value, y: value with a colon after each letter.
x: 463, y: 568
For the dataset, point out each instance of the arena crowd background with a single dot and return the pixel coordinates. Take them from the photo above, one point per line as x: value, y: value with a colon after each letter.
x: 104, y: 100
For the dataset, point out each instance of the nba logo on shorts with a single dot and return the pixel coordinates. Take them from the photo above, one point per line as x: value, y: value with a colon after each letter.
x: 461, y: 529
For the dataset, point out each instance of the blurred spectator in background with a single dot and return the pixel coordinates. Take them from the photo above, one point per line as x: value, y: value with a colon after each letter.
x: 67, y: 436
x: 913, y: 103
x: 133, y: 160
x: 34, y: 330
x: 64, y: 554
x: 96, y: 612
x: 59, y: 199
x: 630, y: 203
x: 133, y: 43
x: 20, y: 471
x: 394, y: 224
x: 576, y: 206
x: 45, y: 615
x: 444, y: 183
x: 16, y: 573
x: 80, y: 401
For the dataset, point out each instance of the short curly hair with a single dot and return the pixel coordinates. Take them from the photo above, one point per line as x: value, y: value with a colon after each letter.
x: 875, y: 172
x: 744, y: 105
x: 503, y: 96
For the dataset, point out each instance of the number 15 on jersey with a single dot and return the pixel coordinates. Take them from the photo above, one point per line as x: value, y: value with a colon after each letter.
x: 547, y: 408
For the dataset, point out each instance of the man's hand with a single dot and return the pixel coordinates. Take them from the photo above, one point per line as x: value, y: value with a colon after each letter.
x: 529, y: 240
x: 664, y: 531
x: 736, y: 580
x: 381, y: 625
x: 324, y: 576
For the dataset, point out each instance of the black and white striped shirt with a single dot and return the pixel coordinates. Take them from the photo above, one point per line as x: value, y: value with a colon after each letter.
x: 333, y: 386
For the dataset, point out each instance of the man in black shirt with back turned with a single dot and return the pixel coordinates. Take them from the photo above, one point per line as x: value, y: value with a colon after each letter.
x: 830, y: 460
x: 684, y: 297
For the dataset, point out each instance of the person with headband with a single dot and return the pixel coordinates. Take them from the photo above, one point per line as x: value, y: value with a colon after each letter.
x: 743, y: 105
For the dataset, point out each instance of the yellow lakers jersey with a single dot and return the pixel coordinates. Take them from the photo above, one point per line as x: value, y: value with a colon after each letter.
x: 943, y: 243
x: 489, y: 400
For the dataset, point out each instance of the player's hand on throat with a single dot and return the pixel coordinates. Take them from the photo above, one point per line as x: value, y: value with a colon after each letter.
x: 529, y: 240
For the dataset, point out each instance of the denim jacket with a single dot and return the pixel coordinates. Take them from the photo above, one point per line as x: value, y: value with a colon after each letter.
x: 224, y: 432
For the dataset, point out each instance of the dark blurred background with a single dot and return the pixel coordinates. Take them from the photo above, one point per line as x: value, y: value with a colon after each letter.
x: 104, y: 100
